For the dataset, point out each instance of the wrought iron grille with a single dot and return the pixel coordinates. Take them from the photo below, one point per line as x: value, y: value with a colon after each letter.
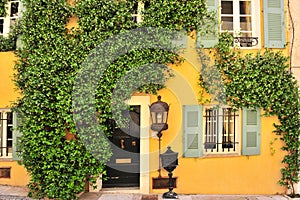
x: 220, y: 130
x: 6, y: 134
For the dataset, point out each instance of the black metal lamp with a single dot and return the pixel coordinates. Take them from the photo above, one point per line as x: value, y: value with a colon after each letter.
x: 169, y: 161
x: 159, y: 115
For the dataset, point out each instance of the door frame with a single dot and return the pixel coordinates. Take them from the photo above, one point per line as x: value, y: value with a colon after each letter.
x: 144, y: 102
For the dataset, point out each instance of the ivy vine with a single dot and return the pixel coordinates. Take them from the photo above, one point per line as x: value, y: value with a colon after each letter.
x: 52, y: 151
x: 3, y: 3
x: 262, y: 80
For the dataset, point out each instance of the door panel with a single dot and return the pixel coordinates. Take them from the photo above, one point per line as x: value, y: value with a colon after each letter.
x: 123, y: 169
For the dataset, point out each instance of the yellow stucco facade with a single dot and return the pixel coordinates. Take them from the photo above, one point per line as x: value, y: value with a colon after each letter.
x: 8, y: 94
x: 219, y: 174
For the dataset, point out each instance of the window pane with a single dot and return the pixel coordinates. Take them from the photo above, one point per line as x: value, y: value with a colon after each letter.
x: 9, y: 118
x: 9, y: 146
x: 245, y: 23
x: 245, y: 7
x: 135, y: 8
x: 9, y: 132
x: 227, y: 7
x: 1, y: 26
x: 14, y: 9
x: 242, y: 34
x: 12, y: 23
x: 227, y: 23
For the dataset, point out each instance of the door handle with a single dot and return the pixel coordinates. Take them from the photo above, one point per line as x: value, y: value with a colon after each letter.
x: 122, y: 144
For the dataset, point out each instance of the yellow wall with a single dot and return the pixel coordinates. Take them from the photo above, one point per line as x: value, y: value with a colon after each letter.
x: 219, y: 174
x: 8, y: 95
x: 19, y: 175
x: 216, y: 175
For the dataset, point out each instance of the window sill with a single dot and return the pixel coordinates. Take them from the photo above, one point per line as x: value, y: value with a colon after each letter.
x: 221, y: 155
x: 6, y: 159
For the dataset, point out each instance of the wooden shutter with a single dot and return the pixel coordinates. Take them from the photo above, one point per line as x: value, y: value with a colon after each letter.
x: 251, y: 131
x: 209, y: 39
x: 192, y: 131
x: 274, y: 25
x: 16, y: 135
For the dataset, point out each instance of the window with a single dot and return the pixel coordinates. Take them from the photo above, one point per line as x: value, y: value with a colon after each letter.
x: 221, y: 130
x: 138, y: 10
x: 12, y: 15
x: 6, y: 133
x: 241, y: 19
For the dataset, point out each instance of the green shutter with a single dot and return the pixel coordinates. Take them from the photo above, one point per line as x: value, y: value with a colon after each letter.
x: 274, y: 25
x: 16, y: 135
x: 192, y: 129
x: 180, y: 40
x: 19, y: 43
x: 205, y: 38
x: 251, y: 131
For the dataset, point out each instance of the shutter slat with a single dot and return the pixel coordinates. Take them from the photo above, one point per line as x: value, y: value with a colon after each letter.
x: 251, y: 131
x: 205, y: 38
x: 192, y: 128
x: 274, y: 24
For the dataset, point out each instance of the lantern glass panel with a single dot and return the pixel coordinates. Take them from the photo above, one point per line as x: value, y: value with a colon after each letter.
x: 165, y: 117
x: 159, y: 117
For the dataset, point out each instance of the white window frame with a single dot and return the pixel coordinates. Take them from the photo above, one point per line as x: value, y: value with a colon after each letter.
x: 218, y: 121
x: 139, y: 15
x: 255, y: 20
x: 7, y: 20
x: 3, y: 133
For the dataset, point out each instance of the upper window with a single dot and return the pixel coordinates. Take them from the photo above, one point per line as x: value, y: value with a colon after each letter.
x: 241, y: 19
x: 6, y: 133
x: 221, y: 130
x: 138, y: 10
x: 12, y: 15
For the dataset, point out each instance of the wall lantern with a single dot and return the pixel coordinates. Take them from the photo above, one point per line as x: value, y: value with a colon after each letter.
x: 159, y: 116
x: 169, y: 161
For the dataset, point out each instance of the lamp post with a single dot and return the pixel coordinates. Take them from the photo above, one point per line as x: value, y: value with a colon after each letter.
x: 159, y: 115
x: 169, y: 161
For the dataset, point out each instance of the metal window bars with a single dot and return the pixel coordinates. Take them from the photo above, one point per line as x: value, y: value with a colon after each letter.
x: 220, y: 130
x: 6, y: 134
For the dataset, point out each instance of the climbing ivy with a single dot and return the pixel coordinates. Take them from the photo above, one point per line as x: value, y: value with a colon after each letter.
x: 262, y: 80
x: 8, y: 43
x: 2, y: 7
x: 52, y: 150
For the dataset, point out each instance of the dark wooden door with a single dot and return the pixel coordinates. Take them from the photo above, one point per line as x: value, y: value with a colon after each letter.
x: 123, y: 169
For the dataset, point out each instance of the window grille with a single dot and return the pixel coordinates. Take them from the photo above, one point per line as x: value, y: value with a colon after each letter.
x: 220, y: 132
x: 6, y: 133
